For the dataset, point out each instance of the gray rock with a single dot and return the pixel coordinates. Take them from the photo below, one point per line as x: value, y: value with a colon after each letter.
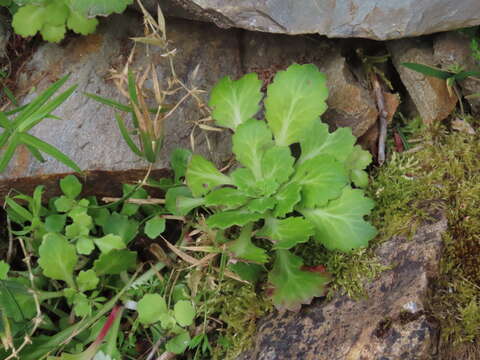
x: 373, y: 19
x: 349, y: 102
x: 429, y: 94
x: 88, y: 132
x: 390, y: 324
x: 454, y: 49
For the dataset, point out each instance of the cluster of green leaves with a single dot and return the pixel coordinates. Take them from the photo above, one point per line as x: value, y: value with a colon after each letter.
x: 52, y: 18
x: 152, y: 309
x: 82, y: 257
x: 15, y: 131
x: 275, y: 195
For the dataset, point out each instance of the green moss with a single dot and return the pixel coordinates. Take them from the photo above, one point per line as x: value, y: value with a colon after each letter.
x: 443, y: 172
x: 239, y: 307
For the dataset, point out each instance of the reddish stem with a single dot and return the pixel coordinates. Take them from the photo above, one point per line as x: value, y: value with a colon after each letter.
x: 108, y: 324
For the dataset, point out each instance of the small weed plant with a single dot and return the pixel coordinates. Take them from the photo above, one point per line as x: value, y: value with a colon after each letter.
x: 275, y: 200
x: 112, y: 281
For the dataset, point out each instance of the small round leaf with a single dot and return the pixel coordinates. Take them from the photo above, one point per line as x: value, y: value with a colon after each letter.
x: 184, y: 312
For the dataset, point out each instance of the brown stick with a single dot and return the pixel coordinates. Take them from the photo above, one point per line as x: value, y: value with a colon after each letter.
x: 382, y: 117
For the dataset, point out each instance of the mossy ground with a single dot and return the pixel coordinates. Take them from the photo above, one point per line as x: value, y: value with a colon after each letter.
x: 444, y: 172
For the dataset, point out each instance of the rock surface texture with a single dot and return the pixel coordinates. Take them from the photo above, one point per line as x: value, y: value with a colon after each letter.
x: 391, y: 324
x: 88, y: 132
x: 430, y: 95
x: 372, y: 19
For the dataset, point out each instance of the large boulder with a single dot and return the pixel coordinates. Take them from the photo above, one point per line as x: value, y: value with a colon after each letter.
x: 373, y: 19
x: 390, y: 324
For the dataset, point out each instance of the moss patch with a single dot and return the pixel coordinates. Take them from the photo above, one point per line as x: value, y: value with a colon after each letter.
x: 444, y: 172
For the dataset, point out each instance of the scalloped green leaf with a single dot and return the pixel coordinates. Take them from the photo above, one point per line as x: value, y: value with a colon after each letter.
x: 151, y: 308
x: 71, y: 186
x: 358, y: 160
x: 295, y: 100
x: 90, y: 8
x: 114, y: 262
x: 250, y: 141
x: 154, y: 227
x: 122, y: 226
x: 292, y: 286
x: 184, y: 312
x: 243, y: 248
x: 87, y: 280
x: 262, y: 204
x: 179, y: 201
x: 81, y: 24
x: 277, y: 164
x: 234, y: 102
x: 317, y: 140
x: 286, y: 233
x: 322, y: 178
x: 225, y: 219
x: 287, y: 197
x: 227, y: 197
x: 85, y: 245
x: 57, y: 258
x: 57, y: 13
x: 340, y: 225
x: 29, y: 19
x: 202, y: 176
x: 109, y: 242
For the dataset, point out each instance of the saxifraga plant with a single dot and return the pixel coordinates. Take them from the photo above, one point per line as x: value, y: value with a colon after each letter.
x: 275, y: 195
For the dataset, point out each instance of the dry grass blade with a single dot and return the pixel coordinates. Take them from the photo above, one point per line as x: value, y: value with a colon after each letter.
x: 135, y: 201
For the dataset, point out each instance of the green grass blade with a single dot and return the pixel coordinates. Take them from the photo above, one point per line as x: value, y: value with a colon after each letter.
x: 41, y: 145
x: 147, y: 147
x: 39, y: 101
x: 20, y: 210
x: 126, y: 136
x: 429, y: 71
x: 36, y: 154
x: 4, y: 138
x: 16, y: 110
x: 465, y: 74
x: 45, y: 110
x: 10, y: 96
x: 8, y: 154
x: 109, y: 102
x: 132, y: 89
x: 4, y: 122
